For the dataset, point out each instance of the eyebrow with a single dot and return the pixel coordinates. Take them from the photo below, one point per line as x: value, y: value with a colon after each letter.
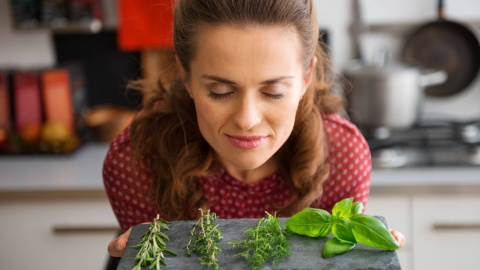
x: 223, y: 80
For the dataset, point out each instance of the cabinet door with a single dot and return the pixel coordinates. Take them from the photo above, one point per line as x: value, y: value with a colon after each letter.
x: 397, y: 212
x: 51, y: 234
x: 446, y: 232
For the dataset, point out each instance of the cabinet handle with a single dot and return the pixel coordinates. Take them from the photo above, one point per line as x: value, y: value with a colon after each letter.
x: 68, y: 229
x: 456, y: 226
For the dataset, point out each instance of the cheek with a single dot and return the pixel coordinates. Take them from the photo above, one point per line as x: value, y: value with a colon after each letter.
x: 209, y: 118
x: 283, y: 118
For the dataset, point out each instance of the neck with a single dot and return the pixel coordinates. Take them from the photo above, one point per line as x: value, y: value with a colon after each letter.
x: 252, y: 176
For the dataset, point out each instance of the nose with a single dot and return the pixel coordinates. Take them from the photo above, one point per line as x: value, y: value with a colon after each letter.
x: 247, y: 113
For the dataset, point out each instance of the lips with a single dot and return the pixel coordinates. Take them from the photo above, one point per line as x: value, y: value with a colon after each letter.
x: 246, y: 142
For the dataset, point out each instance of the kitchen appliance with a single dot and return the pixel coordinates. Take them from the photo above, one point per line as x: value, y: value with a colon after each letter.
x: 429, y: 143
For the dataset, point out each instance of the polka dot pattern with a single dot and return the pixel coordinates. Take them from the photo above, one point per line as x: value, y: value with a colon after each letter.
x: 350, y: 168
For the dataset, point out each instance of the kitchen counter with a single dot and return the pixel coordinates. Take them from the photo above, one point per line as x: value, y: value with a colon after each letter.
x: 82, y: 171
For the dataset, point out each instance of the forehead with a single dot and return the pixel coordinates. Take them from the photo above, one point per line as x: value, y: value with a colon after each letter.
x: 248, y: 47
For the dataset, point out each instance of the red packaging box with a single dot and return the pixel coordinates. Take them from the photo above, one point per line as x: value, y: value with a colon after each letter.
x: 27, y: 104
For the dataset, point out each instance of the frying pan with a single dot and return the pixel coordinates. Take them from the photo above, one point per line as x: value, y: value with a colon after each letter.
x: 446, y: 45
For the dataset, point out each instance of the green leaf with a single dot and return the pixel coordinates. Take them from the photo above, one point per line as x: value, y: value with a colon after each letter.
x: 371, y: 232
x: 266, y: 242
x: 342, y: 208
x: 334, y: 247
x: 342, y: 229
x: 310, y: 222
x: 357, y: 208
x: 169, y: 252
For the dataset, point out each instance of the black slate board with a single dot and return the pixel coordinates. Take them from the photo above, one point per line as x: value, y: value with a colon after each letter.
x: 306, y: 252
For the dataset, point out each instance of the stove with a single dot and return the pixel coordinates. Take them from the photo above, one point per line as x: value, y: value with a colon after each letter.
x: 429, y: 143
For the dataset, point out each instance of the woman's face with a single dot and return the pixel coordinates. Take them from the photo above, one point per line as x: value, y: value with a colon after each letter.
x: 246, y: 84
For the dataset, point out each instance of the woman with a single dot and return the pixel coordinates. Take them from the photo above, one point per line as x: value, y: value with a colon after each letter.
x: 248, y: 127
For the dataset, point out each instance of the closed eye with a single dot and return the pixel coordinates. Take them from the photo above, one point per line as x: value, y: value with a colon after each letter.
x: 277, y: 96
x: 214, y: 95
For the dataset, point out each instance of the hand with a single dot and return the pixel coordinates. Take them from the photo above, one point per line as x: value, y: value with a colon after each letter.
x: 399, y: 237
x: 118, y: 245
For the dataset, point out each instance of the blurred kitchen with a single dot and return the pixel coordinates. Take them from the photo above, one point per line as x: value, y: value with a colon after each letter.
x: 410, y: 80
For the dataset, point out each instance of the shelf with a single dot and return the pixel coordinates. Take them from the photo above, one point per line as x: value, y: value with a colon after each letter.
x: 91, y: 27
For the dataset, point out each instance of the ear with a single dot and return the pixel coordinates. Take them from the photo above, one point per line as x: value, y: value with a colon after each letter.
x: 184, y: 76
x: 308, y: 76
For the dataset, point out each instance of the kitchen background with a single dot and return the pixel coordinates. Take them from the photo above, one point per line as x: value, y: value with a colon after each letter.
x: 51, y: 191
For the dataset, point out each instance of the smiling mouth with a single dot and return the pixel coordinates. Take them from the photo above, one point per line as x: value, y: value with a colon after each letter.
x: 246, y: 142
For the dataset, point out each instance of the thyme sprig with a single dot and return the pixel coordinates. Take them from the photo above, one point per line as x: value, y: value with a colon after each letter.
x: 204, y: 238
x: 153, y: 245
x: 267, y: 242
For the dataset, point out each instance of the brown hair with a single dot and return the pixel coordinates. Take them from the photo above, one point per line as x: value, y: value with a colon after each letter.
x: 167, y: 139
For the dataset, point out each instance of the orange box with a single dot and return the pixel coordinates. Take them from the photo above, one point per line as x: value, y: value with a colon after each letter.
x: 57, y: 98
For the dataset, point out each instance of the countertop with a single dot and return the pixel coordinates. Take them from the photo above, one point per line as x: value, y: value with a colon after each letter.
x: 82, y: 171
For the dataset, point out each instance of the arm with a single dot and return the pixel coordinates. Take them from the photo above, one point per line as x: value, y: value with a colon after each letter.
x: 350, y: 163
x: 127, y: 190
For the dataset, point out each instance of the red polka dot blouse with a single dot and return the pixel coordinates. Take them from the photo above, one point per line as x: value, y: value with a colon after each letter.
x: 350, y: 169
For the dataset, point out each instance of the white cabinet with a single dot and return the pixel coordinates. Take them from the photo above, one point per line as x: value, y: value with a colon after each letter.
x: 71, y: 232
x: 397, y: 211
x: 446, y: 232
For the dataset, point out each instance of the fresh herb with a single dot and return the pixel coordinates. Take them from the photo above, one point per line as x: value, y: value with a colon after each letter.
x: 153, y: 245
x: 204, y: 239
x: 267, y: 242
x: 347, y: 224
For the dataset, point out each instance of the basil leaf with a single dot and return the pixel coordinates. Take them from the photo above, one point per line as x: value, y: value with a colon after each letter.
x: 310, y: 222
x: 342, y: 208
x: 371, y: 232
x: 334, y: 247
x: 357, y: 208
x: 342, y: 229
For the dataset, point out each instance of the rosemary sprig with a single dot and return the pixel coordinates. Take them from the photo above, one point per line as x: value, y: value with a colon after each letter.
x: 153, y: 245
x: 265, y: 242
x: 204, y: 238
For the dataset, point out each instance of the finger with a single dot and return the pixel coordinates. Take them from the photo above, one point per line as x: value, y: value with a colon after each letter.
x: 399, y: 237
x: 117, y: 246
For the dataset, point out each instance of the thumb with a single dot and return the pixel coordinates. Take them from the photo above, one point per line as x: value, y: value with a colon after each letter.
x: 117, y: 246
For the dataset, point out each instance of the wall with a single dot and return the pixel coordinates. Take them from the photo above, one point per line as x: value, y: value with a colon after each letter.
x: 34, y: 48
x: 23, y: 49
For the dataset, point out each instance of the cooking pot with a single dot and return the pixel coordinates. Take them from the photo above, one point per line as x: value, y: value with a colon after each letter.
x: 387, y: 96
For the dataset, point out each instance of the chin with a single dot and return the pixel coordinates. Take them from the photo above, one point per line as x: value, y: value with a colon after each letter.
x: 247, y: 163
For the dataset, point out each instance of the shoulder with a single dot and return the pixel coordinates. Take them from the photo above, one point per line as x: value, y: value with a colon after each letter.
x: 337, y: 127
x: 349, y: 160
x: 347, y: 145
x: 120, y: 145
x: 344, y: 137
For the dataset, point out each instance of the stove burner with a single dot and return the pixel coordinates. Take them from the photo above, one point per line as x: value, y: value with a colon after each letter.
x: 469, y: 133
x: 427, y: 144
x: 389, y: 158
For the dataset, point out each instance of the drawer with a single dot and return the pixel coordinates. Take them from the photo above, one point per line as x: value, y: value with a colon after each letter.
x: 49, y: 234
x: 446, y: 232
